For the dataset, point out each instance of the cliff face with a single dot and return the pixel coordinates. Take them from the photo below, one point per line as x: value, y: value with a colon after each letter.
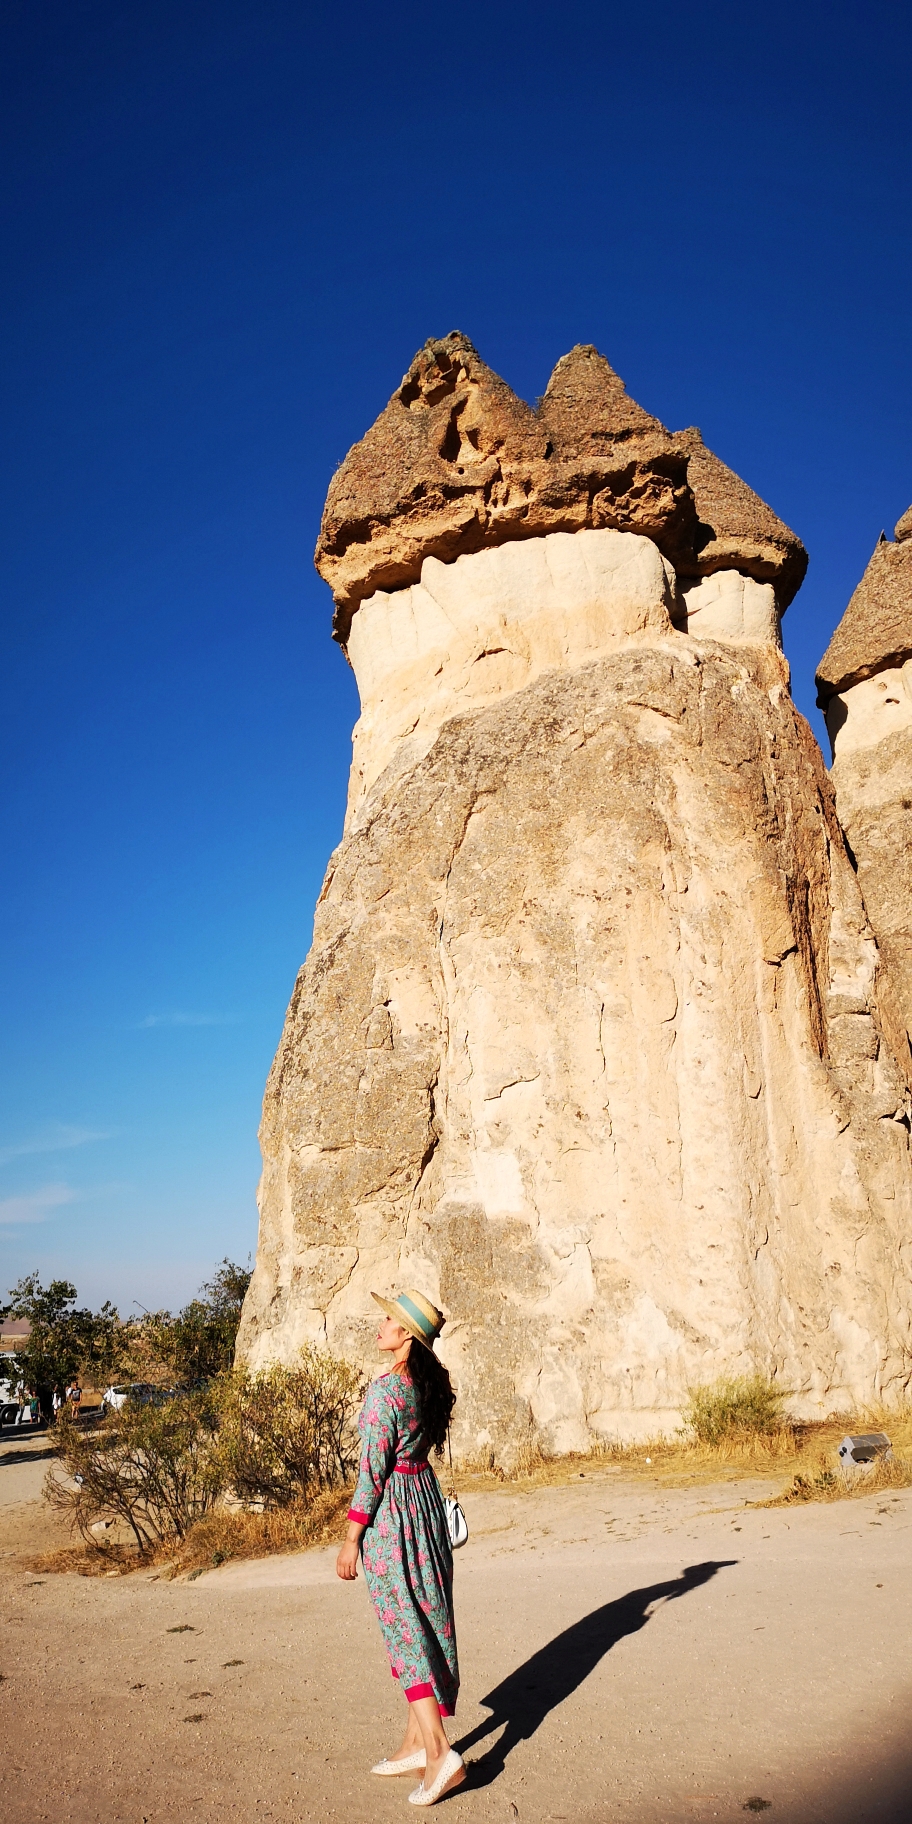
x: 864, y: 686
x: 589, y: 1044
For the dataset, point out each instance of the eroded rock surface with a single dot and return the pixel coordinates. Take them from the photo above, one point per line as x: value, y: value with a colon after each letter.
x: 457, y: 463
x: 591, y: 1043
x: 865, y: 689
x: 876, y: 629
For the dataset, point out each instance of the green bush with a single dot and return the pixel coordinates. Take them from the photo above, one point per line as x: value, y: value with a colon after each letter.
x: 288, y: 1433
x: 196, y: 1343
x: 276, y: 1439
x: 156, y: 1468
x: 738, y: 1408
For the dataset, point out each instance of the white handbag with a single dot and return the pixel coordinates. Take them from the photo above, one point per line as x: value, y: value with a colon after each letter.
x: 457, y: 1524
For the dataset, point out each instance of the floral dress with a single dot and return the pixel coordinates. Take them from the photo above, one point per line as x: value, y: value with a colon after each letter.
x: 406, y: 1551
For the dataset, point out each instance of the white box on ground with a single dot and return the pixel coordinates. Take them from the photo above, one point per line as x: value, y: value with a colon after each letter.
x: 853, y: 1452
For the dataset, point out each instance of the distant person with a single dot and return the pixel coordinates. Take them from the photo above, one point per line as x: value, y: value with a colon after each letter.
x: 35, y: 1409
x: 398, y: 1531
x: 75, y: 1397
x: 56, y: 1403
x: 20, y: 1401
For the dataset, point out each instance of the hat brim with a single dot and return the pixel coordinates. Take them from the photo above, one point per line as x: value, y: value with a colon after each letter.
x: 402, y: 1317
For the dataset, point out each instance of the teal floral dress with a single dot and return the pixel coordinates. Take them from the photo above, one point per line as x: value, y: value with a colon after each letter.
x: 406, y: 1551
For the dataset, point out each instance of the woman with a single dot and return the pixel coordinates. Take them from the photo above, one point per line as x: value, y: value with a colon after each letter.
x: 397, y: 1523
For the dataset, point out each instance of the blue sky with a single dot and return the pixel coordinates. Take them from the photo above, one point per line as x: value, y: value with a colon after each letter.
x: 225, y: 230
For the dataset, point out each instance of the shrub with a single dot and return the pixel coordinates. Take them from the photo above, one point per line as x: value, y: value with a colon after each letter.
x: 193, y: 1344
x: 282, y: 1439
x: 156, y: 1468
x: 288, y: 1433
x: 741, y: 1407
x: 64, y: 1341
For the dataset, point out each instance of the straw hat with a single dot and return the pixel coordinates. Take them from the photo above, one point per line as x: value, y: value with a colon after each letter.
x: 415, y: 1313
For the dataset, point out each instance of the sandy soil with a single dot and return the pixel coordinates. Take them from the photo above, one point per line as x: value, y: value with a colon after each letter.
x: 628, y: 1653
x: 26, y: 1524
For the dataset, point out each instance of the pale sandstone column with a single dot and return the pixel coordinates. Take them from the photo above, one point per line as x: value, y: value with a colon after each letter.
x: 588, y: 1044
x: 865, y: 690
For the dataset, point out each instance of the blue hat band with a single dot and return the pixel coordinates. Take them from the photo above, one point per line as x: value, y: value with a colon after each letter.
x: 424, y: 1323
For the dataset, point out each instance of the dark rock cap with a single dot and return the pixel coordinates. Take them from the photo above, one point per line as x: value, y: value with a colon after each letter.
x: 876, y: 629
x: 457, y: 462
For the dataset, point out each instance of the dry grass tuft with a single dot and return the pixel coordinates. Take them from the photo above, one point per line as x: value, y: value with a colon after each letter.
x: 221, y: 1535
x: 833, y: 1483
x: 88, y: 1560
x: 526, y: 1461
x: 682, y: 1461
x: 745, y: 1452
x: 735, y: 1409
x: 824, y: 1479
x: 805, y: 1453
x: 241, y: 1534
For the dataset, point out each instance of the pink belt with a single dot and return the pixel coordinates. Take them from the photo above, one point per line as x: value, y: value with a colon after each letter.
x: 411, y: 1469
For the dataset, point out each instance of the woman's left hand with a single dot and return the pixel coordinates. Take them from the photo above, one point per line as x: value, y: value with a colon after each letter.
x: 347, y: 1561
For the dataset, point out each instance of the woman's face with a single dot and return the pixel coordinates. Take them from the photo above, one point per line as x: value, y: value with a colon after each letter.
x: 391, y: 1336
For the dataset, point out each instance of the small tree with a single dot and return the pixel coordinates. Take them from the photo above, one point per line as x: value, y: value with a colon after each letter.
x: 287, y: 1433
x: 64, y: 1341
x: 197, y: 1343
x: 156, y: 1468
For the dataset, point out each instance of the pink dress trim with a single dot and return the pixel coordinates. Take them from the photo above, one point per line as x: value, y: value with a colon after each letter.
x: 413, y: 1692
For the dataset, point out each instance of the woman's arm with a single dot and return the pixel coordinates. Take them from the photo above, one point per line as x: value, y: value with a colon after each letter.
x: 378, y: 1454
x: 349, y: 1553
x: 379, y: 1436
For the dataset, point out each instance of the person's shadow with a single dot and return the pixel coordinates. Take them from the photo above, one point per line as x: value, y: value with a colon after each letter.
x: 525, y: 1697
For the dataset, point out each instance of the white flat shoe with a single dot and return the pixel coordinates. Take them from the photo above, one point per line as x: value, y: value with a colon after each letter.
x: 451, y: 1775
x: 411, y: 1763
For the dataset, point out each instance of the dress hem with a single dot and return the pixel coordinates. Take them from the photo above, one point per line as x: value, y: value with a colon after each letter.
x: 414, y: 1692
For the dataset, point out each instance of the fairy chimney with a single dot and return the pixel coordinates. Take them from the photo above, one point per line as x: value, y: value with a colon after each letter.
x: 588, y: 1043
x: 864, y: 685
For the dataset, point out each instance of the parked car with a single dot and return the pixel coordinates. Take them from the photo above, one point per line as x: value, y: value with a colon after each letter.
x: 139, y: 1393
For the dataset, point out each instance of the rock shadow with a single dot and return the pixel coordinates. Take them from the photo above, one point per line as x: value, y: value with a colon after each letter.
x: 525, y: 1697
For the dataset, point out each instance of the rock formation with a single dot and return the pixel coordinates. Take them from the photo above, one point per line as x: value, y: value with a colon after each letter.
x: 589, y: 1044
x: 864, y: 685
x: 456, y: 464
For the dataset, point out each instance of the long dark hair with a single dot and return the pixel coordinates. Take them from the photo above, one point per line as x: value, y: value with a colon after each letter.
x: 435, y: 1394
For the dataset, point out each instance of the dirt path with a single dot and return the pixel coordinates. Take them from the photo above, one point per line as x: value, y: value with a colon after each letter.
x: 620, y: 1683
x: 26, y: 1524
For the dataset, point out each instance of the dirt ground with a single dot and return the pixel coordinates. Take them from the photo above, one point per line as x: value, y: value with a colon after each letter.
x: 628, y: 1651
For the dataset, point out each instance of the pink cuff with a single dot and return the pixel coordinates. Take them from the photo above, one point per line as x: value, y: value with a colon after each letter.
x: 414, y: 1691
x: 359, y: 1519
